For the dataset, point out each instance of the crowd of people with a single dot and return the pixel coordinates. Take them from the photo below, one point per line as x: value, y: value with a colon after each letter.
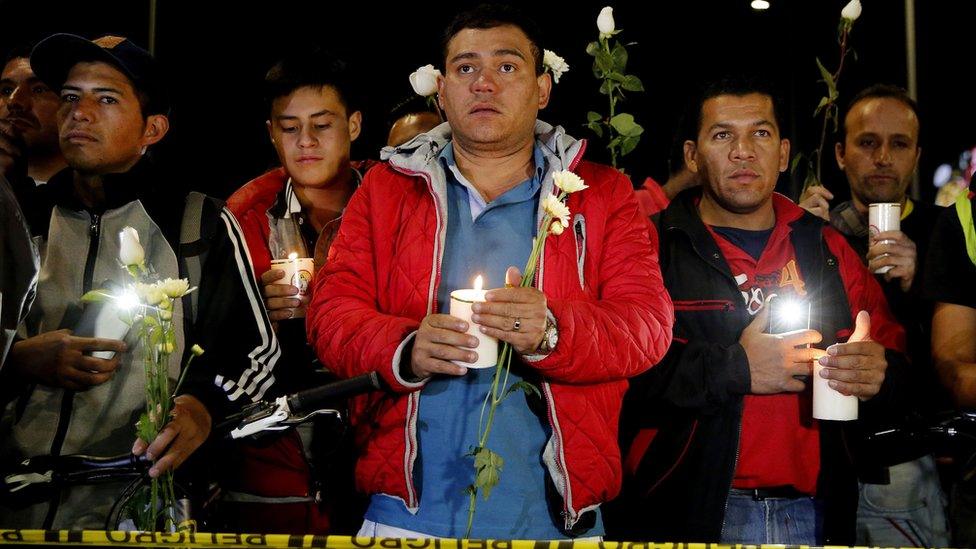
x: 664, y: 409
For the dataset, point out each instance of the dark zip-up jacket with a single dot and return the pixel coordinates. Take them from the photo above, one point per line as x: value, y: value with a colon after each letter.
x: 79, y: 251
x: 694, y: 397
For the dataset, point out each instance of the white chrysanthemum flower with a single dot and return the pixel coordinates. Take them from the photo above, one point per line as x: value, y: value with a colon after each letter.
x: 568, y: 181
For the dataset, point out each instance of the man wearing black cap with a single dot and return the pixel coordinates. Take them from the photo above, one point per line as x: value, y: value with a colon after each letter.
x: 113, y: 108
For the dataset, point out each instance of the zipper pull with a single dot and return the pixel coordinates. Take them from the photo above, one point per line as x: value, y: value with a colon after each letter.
x: 93, y: 228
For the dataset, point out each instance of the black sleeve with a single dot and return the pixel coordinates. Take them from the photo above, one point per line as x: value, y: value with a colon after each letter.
x: 240, y: 347
x: 949, y: 273
x: 694, y: 375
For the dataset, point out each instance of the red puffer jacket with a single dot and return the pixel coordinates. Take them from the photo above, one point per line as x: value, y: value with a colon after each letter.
x: 601, y: 279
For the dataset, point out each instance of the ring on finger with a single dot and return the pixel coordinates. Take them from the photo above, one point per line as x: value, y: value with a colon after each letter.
x: 517, y: 325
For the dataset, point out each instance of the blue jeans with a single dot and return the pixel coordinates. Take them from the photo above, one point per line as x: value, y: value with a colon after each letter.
x: 908, y: 512
x: 790, y: 521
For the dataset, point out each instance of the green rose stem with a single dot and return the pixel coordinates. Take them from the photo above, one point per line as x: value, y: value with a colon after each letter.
x: 613, y: 107
x: 828, y: 104
x: 486, y: 480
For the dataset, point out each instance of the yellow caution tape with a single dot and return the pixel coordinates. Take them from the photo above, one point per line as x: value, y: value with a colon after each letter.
x: 202, y: 540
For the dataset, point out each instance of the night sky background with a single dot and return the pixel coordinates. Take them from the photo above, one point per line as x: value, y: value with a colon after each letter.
x: 216, y: 54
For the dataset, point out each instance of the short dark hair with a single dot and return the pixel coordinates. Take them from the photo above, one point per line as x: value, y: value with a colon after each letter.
x: 22, y: 50
x: 414, y: 104
x: 310, y: 68
x: 738, y: 86
x: 489, y: 16
x: 879, y: 91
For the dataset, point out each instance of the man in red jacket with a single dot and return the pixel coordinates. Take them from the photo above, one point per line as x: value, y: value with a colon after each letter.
x: 297, y: 209
x: 464, y: 200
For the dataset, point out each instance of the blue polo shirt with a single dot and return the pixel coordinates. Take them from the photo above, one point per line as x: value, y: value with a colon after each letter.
x: 482, y: 238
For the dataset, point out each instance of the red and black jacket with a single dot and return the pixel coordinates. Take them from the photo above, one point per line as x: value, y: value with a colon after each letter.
x: 692, y: 401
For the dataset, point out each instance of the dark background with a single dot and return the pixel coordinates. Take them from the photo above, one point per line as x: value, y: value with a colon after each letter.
x: 216, y: 54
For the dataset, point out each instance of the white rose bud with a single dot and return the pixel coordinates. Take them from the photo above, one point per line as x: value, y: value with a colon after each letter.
x: 851, y: 11
x: 604, y: 21
x: 424, y: 80
x: 166, y: 314
x: 556, y: 228
x: 554, y: 63
x: 568, y: 181
x: 167, y: 348
x: 130, y: 251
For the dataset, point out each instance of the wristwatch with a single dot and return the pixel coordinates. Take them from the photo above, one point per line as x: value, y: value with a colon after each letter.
x: 550, y: 336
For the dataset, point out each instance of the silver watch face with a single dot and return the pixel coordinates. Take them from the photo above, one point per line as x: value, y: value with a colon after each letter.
x: 552, y: 337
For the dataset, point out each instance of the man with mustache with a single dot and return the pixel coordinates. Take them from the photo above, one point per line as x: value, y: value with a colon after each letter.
x: 878, y: 151
x: 28, y: 111
x: 461, y: 200
x: 725, y: 448
x: 113, y: 108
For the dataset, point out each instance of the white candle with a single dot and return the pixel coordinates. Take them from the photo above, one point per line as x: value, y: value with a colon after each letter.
x: 298, y: 273
x: 828, y: 403
x: 461, y: 303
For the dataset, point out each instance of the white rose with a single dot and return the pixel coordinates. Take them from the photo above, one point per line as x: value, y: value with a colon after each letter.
x: 130, y: 251
x: 174, y: 287
x: 568, y: 181
x: 556, y: 209
x: 851, y: 11
x: 604, y: 22
x: 424, y: 80
x: 556, y: 228
x: 554, y: 63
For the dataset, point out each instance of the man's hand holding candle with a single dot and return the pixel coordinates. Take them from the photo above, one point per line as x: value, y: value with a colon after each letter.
x: 858, y: 366
x: 281, y: 300
x: 439, y: 340
x: 513, y: 314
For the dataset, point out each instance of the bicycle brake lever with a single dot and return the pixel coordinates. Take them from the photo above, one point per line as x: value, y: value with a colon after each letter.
x: 266, y: 418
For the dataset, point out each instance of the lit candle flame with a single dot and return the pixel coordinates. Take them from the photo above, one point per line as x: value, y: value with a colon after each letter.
x: 293, y: 256
x: 479, y: 282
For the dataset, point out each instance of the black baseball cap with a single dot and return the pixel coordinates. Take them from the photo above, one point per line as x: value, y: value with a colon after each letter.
x: 53, y: 57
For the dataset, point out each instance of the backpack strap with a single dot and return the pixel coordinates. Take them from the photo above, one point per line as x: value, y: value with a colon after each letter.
x: 195, y: 238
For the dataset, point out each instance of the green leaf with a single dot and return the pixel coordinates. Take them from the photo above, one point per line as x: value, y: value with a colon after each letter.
x: 828, y: 79
x: 606, y: 88
x: 824, y: 101
x: 488, y: 468
x: 795, y: 163
x: 628, y: 145
x: 616, y: 76
x: 619, y: 54
x: 604, y: 61
x: 625, y: 125
x: 593, y: 48
x: 596, y: 128
x: 593, y: 116
x: 615, y: 142
x: 96, y: 296
x: 144, y: 428
x: 632, y: 83
x: 524, y: 386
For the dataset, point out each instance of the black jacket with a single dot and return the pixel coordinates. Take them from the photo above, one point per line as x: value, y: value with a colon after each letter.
x: 694, y: 397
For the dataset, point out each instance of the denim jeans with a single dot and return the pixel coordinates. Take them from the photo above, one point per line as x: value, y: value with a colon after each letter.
x: 790, y: 521
x: 910, y: 511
